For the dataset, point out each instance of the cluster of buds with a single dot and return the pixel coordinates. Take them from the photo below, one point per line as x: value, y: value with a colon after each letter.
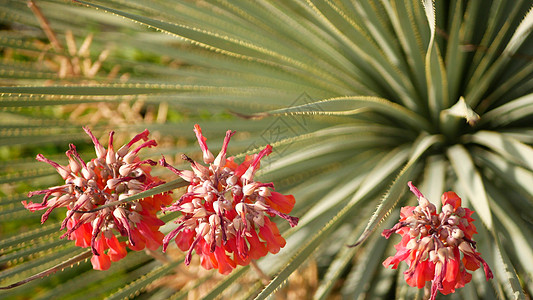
x: 225, y: 213
x: 111, y: 176
x: 432, y: 244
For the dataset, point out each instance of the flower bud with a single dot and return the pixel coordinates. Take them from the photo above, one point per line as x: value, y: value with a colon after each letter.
x: 80, y: 182
x: 135, y: 185
x: 457, y: 233
x: 121, y: 188
x: 259, y: 220
x: 249, y: 189
x: 203, y: 229
x: 197, y: 202
x: 412, y: 244
x: 451, y: 241
x: 447, y: 209
x: 208, y: 157
x: 132, y: 192
x: 130, y: 157
x: 460, y: 212
x: 209, y: 197
x: 423, y: 231
x: 123, y: 150
x: 87, y: 173
x: 423, y: 202
x: 232, y: 180
x: 134, y: 217
x: 123, y: 196
x: 187, y: 208
x: 82, y: 200
x: 466, y: 248
x: 110, y: 157
x: 187, y: 175
x: 120, y: 214
x: 126, y: 169
x: 74, y: 166
x: 100, y: 151
x: 264, y: 192
x: 237, y: 223
x: 433, y: 256
x: 443, y: 253
x: 261, y: 206
x: 240, y: 208
x: 136, y: 206
x: 236, y: 190
x: 214, y: 220
x: 453, y: 220
x: 112, y: 183
x: 217, y: 207
x: 200, y: 213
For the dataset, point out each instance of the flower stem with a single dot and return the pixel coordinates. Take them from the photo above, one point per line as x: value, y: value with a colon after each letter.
x: 264, y: 277
x: 157, y: 255
x: 427, y: 291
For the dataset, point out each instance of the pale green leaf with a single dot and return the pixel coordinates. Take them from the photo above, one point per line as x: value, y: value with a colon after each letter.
x: 483, y: 79
x: 346, y: 106
x: 358, y: 281
x: 337, y: 266
x: 435, y: 70
x: 224, y: 284
x: 58, y: 254
x: 507, y: 147
x: 471, y: 181
x: 137, y: 286
x: 515, y: 228
x: 397, y: 189
x: 434, y: 178
x: 509, y: 112
x: 507, y: 274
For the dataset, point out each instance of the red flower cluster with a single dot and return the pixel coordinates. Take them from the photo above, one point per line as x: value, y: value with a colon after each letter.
x: 225, y: 212
x: 432, y: 244
x: 112, y: 176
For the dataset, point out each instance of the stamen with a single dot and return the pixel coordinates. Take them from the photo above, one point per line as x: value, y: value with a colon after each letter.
x: 171, y: 235
x: 63, y: 171
x: 100, y: 150
x: 249, y: 174
x: 207, y: 155
x: 221, y: 157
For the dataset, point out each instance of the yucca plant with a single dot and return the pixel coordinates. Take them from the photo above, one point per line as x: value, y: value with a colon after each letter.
x: 356, y: 98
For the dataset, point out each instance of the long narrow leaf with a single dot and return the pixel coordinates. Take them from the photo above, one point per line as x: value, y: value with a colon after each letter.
x: 471, y: 181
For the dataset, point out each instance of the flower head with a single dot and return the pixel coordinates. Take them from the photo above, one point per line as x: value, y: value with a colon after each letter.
x: 437, y: 247
x: 225, y: 212
x: 111, y: 176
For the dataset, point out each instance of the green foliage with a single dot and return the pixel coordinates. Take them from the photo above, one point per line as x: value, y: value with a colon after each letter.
x: 355, y: 97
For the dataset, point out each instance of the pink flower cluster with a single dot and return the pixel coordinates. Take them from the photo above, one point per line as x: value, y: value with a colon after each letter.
x: 111, y: 176
x: 438, y: 247
x: 225, y: 212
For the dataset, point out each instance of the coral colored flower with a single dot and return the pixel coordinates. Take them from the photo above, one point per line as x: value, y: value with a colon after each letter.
x: 225, y: 212
x: 436, y: 247
x: 112, y: 176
